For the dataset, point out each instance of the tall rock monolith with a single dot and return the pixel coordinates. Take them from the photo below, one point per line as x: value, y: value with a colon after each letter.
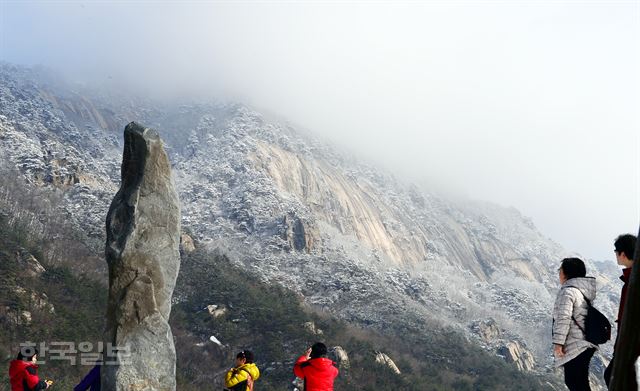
x: 142, y: 252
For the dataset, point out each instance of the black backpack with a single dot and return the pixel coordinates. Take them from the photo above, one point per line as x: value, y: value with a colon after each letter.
x: 597, y: 328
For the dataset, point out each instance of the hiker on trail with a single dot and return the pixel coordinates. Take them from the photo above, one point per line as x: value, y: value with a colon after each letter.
x: 91, y: 381
x: 570, y: 348
x: 624, y: 249
x: 242, y: 376
x: 316, y: 369
x: 23, y: 371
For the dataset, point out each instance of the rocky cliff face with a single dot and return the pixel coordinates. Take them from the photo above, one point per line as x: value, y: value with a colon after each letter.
x: 350, y: 238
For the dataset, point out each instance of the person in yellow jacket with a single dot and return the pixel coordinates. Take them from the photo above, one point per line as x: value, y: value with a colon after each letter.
x: 242, y: 376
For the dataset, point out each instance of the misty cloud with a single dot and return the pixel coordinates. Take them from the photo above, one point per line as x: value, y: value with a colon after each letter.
x: 533, y: 106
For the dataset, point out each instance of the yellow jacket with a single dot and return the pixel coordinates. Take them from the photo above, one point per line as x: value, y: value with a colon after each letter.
x: 236, y: 378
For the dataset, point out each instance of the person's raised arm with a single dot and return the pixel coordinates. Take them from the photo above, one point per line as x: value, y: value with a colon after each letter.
x: 297, y: 368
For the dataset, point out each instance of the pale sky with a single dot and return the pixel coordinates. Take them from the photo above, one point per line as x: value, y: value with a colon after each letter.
x: 527, y: 104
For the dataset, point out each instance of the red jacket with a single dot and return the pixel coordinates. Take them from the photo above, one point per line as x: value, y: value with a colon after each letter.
x: 24, y: 376
x: 318, y: 373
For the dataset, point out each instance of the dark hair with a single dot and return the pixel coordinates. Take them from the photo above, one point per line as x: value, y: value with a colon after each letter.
x: 247, y: 355
x: 318, y: 350
x: 27, y: 352
x: 573, y: 267
x: 626, y: 244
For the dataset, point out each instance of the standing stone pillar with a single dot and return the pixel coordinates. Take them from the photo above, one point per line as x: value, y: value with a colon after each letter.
x: 142, y: 252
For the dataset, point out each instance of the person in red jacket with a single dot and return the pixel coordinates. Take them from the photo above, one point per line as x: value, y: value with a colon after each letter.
x: 23, y: 372
x: 316, y: 369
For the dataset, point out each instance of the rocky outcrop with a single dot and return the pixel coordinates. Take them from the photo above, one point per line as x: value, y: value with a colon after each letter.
x: 29, y: 265
x: 217, y: 311
x: 488, y: 330
x: 83, y: 110
x: 26, y: 317
x: 340, y: 356
x: 300, y: 235
x: 34, y: 300
x: 514, y: 353
x: 186, y: 244
x: 311, y: 327
x: 142, y: 251
x: 383, y: 359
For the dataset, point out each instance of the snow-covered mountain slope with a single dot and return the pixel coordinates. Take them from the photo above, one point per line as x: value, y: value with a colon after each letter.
x: 351, y: 239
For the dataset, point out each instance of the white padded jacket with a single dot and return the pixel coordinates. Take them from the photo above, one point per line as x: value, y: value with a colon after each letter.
x: 571, y: 304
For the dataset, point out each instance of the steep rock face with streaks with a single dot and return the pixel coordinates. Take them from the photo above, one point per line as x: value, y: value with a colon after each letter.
x: 348, y: 237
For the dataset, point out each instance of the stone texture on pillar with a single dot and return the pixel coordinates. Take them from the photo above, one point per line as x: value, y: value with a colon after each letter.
x: 142, y: 252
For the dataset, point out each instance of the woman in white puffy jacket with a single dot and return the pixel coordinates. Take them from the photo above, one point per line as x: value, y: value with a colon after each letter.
x: 570, y: 348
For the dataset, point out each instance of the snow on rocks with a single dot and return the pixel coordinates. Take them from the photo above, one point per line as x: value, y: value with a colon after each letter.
x: 349, y: 237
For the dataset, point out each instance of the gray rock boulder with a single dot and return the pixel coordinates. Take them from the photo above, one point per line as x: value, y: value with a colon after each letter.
x: 142, y: 252
x: 340, y: 356
x: 186, y: 244
x: 488, y: 330
x: 216, y: 311
x: 514, y: 353
x: 383, y: 359
x: 312, y: 328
